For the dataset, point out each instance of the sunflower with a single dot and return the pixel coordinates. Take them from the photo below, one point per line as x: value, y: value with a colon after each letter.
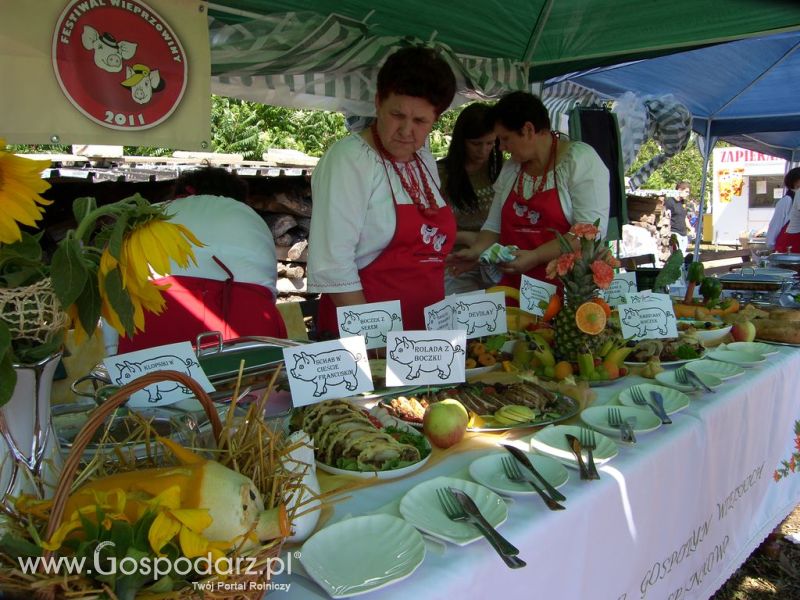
x: 20, y: 185
x: 148, y: 247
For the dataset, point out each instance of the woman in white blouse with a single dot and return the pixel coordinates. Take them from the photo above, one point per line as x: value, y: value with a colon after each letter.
x: 548, y: 185
x: 380, y: 229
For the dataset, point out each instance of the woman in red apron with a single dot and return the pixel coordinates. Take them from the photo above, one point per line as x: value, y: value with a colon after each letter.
x: 414, y: 87
x: 787, y: 242
x: 528, y: 208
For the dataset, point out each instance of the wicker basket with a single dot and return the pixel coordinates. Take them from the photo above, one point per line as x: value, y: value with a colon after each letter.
x: 243, y: 586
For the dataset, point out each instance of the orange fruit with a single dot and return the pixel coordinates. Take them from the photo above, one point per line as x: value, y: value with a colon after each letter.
x: 602, y: 303
x: 611, y: 368
x: 590, y: 318
x: 562, y: 370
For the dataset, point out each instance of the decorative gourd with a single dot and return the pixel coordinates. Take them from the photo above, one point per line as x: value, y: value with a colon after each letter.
x: 233, y: 502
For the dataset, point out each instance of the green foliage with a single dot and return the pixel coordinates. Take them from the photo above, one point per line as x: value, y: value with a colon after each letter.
x: 684, y: 166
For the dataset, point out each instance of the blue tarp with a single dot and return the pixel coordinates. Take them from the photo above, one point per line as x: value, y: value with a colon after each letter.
x: 746, y: 92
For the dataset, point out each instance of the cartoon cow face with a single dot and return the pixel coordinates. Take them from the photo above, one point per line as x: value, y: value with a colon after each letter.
x: 519, y: 209
x: 108, y: 52
x: 142, y: 82
x: 438, y: 241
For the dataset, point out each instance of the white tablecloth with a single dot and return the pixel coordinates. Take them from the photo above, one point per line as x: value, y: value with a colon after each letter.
x: 671, y: 518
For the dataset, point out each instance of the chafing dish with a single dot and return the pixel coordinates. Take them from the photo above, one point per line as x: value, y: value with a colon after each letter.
x: 785, y: 260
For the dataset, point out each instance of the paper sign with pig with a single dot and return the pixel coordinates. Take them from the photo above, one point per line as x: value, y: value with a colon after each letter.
x: 425, y: 357
x: 335, y: 369
x: 533, y: 294
x: 480, y: 314
x: 622, y: 285
x: 124, y: 368
x: 648, y: 316
x: 440, y: 315
x: 372, y: 321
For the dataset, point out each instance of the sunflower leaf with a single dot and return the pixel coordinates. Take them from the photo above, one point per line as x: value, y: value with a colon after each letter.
x: 89, y: 306
x: 117, y: 235
x: 68, y: 272
x: 81, y: 207
x: 119, y: 299
x: 8, y: 378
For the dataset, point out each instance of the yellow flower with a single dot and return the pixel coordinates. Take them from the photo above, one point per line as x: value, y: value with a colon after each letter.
x: 20, y: 185
x: 112, y: 503
x: 151, y: 243
x: 187, y: 523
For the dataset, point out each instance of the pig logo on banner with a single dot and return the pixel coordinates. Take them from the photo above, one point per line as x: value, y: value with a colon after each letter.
x: 428, y: 356
x: 646, y: 319
x: 441, y: 318
x: 112, y: 80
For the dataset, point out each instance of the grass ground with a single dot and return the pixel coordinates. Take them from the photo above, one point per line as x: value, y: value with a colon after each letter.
x: 772, y: 572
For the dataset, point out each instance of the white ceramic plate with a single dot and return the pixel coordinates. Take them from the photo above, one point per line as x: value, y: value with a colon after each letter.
x: 468, y: 373
x: 673, y: 399
x: 488, y: 471
x: 669, y: 363
x: 597, y: 418
x: 387, y: 421
x: 420, y: 507
x: 753, y: 347
x: 668, y: 378
x: 708, y: 336
x: 551, y: 441
x: 714, y: 367
x: 737, y: 357
x: 381, y: 550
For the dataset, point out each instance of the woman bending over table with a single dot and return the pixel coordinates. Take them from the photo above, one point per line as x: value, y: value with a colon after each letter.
x: 380, y: 229
x: 548, y: 185
x: 468, y: 173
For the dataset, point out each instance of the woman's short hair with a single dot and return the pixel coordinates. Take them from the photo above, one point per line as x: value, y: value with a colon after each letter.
x: 418, y: 72
x: 211, y: 181
x: 792, y: 178
x: 513, y: 110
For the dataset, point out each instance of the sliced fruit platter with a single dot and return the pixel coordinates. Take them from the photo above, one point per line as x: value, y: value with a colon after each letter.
x: 353, y: 441
x: 495, y: 407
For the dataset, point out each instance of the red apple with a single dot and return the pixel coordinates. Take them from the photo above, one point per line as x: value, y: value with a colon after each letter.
x: 743, y: 331
x: 445, y: 422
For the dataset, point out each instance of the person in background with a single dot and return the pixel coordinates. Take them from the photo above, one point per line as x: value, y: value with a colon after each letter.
x: 468, y: 173
x: 380, y: 228
x: 548, y: 185
x: 780, y: 218
x: 679, y: 222
x: 232, y: 286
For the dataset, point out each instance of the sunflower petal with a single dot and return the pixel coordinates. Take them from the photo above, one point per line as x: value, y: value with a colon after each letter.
x: 196, y: 519
x: 192, y: 544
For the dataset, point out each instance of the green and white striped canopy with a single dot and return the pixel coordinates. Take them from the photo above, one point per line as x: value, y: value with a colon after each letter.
x: 325, y: 53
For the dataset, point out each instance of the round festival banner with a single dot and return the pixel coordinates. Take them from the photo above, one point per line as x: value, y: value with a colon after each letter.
x: 119, y: 63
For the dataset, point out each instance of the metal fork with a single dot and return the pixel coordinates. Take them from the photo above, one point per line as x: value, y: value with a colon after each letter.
x: 589, y: 442
x: 625, y: 430
x: 514, y: 474
x: 453, y: 511
x: 637, y: 396
x: 686, y: 377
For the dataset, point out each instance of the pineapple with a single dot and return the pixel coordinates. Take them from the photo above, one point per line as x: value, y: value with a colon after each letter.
x: 579, y: 287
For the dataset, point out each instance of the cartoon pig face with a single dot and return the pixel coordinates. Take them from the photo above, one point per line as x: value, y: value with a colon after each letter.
x: 108, y: 52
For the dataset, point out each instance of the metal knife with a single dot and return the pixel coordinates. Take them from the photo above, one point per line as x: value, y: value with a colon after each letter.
x: 696, y: 378
x: 501, y: 544
x: 575, y: 446
x: 656, y: 396
x: 525, y: 461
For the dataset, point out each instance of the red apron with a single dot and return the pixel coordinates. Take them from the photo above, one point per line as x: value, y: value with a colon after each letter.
x: 785, y: 241
x: 195, y: 305
x: 528, y: 223
x: 409, y: 269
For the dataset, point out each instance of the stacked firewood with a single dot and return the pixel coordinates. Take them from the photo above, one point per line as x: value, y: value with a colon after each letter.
x: 285, y: 204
